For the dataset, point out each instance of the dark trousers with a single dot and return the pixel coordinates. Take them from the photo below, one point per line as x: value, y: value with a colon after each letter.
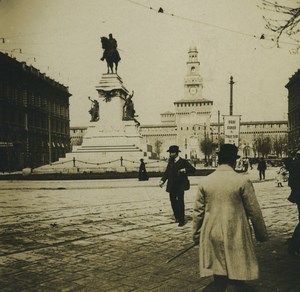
x: 294, y: 242
x: 222, y: 283
x: 177, y: 204
x: 262, y: 174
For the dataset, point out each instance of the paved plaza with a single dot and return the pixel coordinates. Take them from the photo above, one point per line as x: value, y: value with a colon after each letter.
x: 116, y: 235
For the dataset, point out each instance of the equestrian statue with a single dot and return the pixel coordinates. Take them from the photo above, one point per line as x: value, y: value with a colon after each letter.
x: 110, y: 53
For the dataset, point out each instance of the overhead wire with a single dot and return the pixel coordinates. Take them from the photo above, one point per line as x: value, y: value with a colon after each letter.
x: 163, y: 12
x: 160, y: 10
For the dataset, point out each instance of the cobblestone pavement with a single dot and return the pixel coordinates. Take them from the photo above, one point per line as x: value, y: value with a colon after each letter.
x: 116, y: 235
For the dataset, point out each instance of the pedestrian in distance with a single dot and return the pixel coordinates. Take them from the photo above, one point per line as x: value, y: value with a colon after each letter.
x: 250, y: 163
x: 177, y: 182
x: 294, y: 184
x: 225, y: 202
x: 143, y: 175
x: 245, y: 164
x: 280, y: 176
x: 261, y: 167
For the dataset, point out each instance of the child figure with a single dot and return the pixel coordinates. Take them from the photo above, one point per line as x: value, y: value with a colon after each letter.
x: 280, y: 177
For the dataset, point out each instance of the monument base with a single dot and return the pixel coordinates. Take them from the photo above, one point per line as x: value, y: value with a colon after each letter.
x: 111, y: 143
x: 103, y: 151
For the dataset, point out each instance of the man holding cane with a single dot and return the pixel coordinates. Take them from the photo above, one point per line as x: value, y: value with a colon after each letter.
x: 225, y: 203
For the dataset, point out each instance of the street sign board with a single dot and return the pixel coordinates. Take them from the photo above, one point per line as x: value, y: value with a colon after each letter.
x: 232, y: 129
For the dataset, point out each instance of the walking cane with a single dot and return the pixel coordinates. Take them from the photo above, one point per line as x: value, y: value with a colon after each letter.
x: 181, y: 253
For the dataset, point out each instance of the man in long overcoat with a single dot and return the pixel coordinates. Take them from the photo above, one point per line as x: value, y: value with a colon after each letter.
x: 143, y: 175
x: 225, y: 203
x: 176, y: 177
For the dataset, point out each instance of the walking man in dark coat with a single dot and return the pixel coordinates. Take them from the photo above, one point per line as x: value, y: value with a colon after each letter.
x: 176, y: 177
x: 294, y: 184
x: 143, y: 175
x: 261, y: 167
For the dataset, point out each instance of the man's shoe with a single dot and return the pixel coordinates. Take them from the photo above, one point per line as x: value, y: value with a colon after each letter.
x: 181, y: 224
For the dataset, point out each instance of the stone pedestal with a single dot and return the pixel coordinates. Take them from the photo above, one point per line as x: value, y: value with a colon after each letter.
x: 111, y: 137
x: 110, y: 143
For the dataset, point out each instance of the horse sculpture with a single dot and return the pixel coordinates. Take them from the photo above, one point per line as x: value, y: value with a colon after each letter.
x: 111, y: 55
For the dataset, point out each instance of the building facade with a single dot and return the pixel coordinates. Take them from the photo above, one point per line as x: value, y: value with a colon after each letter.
x: 76, y: 135
x: 251, y: 131
x: 293, y: 87
x: 34, y: 116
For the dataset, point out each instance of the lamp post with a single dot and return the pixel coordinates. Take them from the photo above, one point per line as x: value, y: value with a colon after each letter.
x: 214, y: 145
x: 49, y: 133
x: 231, y: 96
x: 27, y: 146
x: 212, y: 134
x: 219, y: 137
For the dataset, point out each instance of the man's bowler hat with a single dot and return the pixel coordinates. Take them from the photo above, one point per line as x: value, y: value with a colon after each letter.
x: 228, y: 151
x: 174, y: 149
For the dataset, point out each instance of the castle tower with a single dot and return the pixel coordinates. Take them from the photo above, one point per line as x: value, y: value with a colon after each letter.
x: 193, y: 82
x: 192, y: 112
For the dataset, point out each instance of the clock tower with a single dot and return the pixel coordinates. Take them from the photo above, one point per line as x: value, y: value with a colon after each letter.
x: 193, y: 83
x: 192, y: 112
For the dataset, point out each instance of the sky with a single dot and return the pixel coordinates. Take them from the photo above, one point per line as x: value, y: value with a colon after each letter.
x: 62, y: 39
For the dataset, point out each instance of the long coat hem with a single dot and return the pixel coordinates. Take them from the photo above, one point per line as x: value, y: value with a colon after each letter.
x: 224, y: 207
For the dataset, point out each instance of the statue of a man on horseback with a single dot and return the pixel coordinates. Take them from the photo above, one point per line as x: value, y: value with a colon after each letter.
x: 110, y: 53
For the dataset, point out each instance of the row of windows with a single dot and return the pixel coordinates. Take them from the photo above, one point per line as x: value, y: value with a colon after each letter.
x: 260, y: 126
x: 159, y: 134
x: 78, y: 131
x: 169, y: 115
x: 25, y: 98
x: 294, y: 119
x: 294, y: 97
x: 193, y: 115
x: 57, y: 126
x: 36, y: 120
x: 264, y: 132
x: 193, y: 104
x: 144, y: 130
x: 192, y: 128
x: 214, y: 135
x: 265, y: 126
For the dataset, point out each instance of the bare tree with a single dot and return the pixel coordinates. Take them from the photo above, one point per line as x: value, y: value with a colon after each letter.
x: 263, y: 145
x: 207, y: 147
x: 287, y: 22
x: 280, y: 145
